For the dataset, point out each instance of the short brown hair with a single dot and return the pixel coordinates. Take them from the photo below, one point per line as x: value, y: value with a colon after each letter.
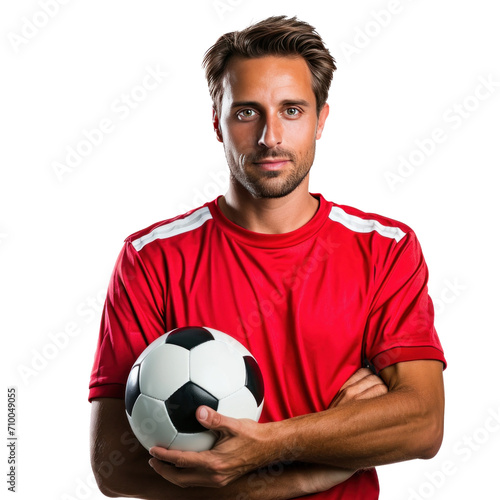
x: 277, y: 36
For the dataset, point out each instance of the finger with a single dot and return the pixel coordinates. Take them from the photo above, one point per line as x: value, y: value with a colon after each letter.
x: 364, y: 383
x: 188, y: 477
x: 171, y: 473
x: 159, y: 466
x: 180, y: 459
x: 373, y: 392
x: 356, y: 377
x: 213, y: 420
x: 359, y: 385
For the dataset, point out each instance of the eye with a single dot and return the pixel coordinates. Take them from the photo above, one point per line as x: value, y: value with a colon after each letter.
x: 292, y: 112
x: 246, y: 113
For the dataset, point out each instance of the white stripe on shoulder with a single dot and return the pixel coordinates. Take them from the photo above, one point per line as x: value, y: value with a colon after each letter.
x: 360, y: 225
x: 179, y: 226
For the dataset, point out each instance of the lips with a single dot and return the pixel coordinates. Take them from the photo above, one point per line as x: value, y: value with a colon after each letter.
x: 272, y: 163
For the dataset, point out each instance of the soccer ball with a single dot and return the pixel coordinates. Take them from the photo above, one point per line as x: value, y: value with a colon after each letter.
x: 181, y: 370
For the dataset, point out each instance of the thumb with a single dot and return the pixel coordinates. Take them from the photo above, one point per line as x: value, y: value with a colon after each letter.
x: 213, y: 420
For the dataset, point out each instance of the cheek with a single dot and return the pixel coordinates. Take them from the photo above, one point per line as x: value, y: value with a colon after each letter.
x: 233, y: 150
x: 305, y: 129
x: 231, y: 147
x: 302, y: 138
x: 238, y: 139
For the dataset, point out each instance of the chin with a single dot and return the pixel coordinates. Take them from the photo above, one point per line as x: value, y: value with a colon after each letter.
x: 269, y: 192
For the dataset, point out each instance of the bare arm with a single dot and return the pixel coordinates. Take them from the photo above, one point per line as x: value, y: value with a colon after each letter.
x: 121, y: 467
x: 404, y: 423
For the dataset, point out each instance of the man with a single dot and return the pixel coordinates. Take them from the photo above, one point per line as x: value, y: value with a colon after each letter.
x: 314, y: 290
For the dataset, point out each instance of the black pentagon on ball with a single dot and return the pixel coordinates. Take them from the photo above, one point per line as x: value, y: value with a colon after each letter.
x: 189, y: 336
x: 182, y: 405
x: 254, y: 380
x: 132, y: 390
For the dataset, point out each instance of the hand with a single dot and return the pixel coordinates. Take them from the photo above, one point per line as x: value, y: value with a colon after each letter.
x: 364, y: 384
x: 242, y: 446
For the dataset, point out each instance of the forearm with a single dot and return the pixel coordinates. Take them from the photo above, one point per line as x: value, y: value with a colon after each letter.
x: 122, y: 468
x: 361, y: 434
x: 369, y: 423
x: 274, y: 482
x: 134, y: 478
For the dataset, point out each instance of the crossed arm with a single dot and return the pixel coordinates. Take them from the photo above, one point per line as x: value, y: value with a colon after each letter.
x: 369, y: 423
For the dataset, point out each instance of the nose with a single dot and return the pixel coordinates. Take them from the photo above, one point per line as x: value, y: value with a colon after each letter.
x: 272, y: 132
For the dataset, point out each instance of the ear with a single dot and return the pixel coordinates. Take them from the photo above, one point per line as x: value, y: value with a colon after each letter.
x: 216, y: 124
x: 323, y: 115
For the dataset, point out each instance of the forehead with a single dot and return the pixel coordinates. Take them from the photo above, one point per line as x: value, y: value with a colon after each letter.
x: 268, y: 77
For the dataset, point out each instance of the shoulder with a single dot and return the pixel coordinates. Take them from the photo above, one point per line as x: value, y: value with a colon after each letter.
x: 170, y: 228
x: 382, y: 244
x: 356, y: 222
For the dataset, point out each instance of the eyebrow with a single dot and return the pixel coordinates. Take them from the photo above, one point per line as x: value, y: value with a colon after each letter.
x: 285, y: 102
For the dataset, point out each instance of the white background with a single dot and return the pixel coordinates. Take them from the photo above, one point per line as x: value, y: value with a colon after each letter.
x: 405, y: 68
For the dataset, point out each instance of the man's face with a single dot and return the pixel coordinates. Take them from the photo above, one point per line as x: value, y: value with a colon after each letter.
x: 268, y: 123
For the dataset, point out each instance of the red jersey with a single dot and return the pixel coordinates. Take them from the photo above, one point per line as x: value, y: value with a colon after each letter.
x: 312, y: 305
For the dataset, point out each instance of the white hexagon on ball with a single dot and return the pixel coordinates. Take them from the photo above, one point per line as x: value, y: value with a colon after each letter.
x: 240, y: 404
x: 149, y: 348
x: 211, y: 363
x: 164, y: 370
x: 231, y: 341
x: 150, y: 423
x: 200, y: 441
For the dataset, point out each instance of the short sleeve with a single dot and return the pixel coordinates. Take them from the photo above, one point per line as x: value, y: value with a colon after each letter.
x: 400, y: 325
x: 133, y: 316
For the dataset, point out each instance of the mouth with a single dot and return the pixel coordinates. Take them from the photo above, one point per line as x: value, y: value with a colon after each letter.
x: 272, y: 163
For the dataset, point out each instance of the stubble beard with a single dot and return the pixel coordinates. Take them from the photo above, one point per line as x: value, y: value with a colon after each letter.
x: 271, y: 183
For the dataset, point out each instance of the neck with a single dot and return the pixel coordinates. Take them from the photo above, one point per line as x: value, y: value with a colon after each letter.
x: 269, y: 215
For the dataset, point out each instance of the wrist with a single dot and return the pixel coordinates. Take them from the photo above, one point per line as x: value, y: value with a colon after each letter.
x: 280, y: 442
x: 271, y: 482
